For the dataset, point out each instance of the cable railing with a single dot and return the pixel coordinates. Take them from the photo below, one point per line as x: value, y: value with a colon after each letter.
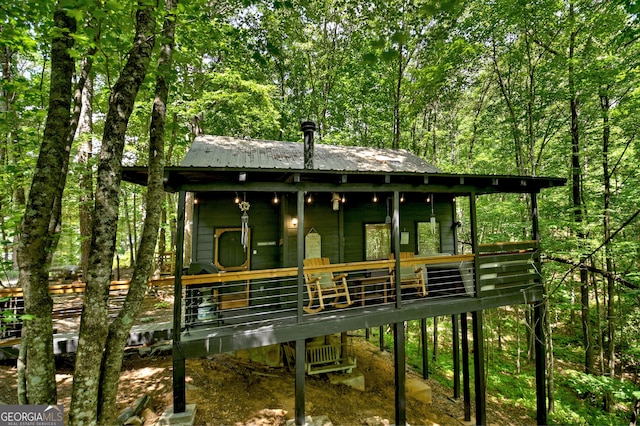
x: 254, y: 298
x: 250, y: 298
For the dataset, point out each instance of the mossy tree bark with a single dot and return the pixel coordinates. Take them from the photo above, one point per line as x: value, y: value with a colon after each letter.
x: 120, y: 327
x: 35, y: 241
x: 94, y: 322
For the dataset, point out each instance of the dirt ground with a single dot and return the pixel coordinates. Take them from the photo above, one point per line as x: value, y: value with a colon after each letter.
x: 231, y: 391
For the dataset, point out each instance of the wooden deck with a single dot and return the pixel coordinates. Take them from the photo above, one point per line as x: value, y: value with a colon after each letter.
x: 237, y: 310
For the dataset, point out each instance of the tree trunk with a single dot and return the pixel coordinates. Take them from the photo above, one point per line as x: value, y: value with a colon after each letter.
x: 85, y: 150
x: 576, y: 185
x: 550, y: 367
x: 119, y: 329
x: 611, y: 310
x: 34, y: 243
x: 94, y: 321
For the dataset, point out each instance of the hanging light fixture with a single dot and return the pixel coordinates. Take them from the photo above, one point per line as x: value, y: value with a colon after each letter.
x: 335, y: 201
x: 402, y: 197
x: 309, y: 199
x: 375, y: 198
x: 433, y: 217
x: 237, y: 199
x: 388, y: 218
x: 344, y: 198
x: 276, y: 200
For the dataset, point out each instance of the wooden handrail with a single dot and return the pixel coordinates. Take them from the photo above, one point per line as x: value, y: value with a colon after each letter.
x: 75, y: 287
x: 222, y: 277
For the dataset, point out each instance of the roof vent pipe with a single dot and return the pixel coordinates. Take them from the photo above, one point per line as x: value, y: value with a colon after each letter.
x: 308, y: 127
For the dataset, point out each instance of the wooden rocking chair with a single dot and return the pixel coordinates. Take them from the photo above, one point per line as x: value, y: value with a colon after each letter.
x: 324, y: 285
x: 411, y: 276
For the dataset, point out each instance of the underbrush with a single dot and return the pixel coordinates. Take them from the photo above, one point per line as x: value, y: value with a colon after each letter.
x: 578, y: 397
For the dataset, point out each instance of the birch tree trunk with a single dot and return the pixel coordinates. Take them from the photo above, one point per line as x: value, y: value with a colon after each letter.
x: 119, y: 329
x: 94, y: 321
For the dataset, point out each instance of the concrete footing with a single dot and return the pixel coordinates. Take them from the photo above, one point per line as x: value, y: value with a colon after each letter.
x: 419, y: 390
x: 355, y: 379
x: 187, y: 418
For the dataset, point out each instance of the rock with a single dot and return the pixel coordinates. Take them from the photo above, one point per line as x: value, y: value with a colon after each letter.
x: 149, y: 416
x: 125, y: 414
x: 309, y: 421
x: 376, y: 421
x: 140, y: 404
x: 134, y: 421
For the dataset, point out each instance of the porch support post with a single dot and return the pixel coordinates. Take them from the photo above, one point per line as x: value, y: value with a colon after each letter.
x: 301, y: 353
x: 478, y: 366
x: 301, y: 356
x: 179, y: 370
x: 425, y: 348
x: 466, y: 383
x: 456, y: 355
x: 400, y: 367
x: 398, y: 327
x: 540, y: 338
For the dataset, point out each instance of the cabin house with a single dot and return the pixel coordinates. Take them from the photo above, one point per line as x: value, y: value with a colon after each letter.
x: 294, y: 241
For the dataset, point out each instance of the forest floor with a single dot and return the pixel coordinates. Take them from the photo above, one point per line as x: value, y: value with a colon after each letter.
x: 228, y: 390
x: 231, y: 391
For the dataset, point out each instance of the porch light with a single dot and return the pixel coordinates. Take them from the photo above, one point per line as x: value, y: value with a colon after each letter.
x: 335, y: 201
x: 309, y: 199
x: 375, y: 198
x: 344, y: 198
x: 276, y: 200
x: 433, y: 217
x: 294, y: 222
x: 402, y: 197
x: 237, y: 199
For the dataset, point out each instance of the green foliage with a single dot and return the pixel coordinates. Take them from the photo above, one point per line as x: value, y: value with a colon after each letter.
x: 231, y: 105
x: 595, y: 387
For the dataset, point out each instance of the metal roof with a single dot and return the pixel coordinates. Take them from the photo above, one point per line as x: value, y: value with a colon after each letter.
x: 232, y: 153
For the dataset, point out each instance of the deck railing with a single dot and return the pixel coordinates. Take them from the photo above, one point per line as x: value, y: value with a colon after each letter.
x: 508, y: 266
x: 229, y: 299
x: 246, y: 298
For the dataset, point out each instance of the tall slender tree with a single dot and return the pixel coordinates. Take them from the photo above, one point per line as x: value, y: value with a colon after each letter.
x: 120, y: 327
x: 34, y: 242
x: 94, y: 321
